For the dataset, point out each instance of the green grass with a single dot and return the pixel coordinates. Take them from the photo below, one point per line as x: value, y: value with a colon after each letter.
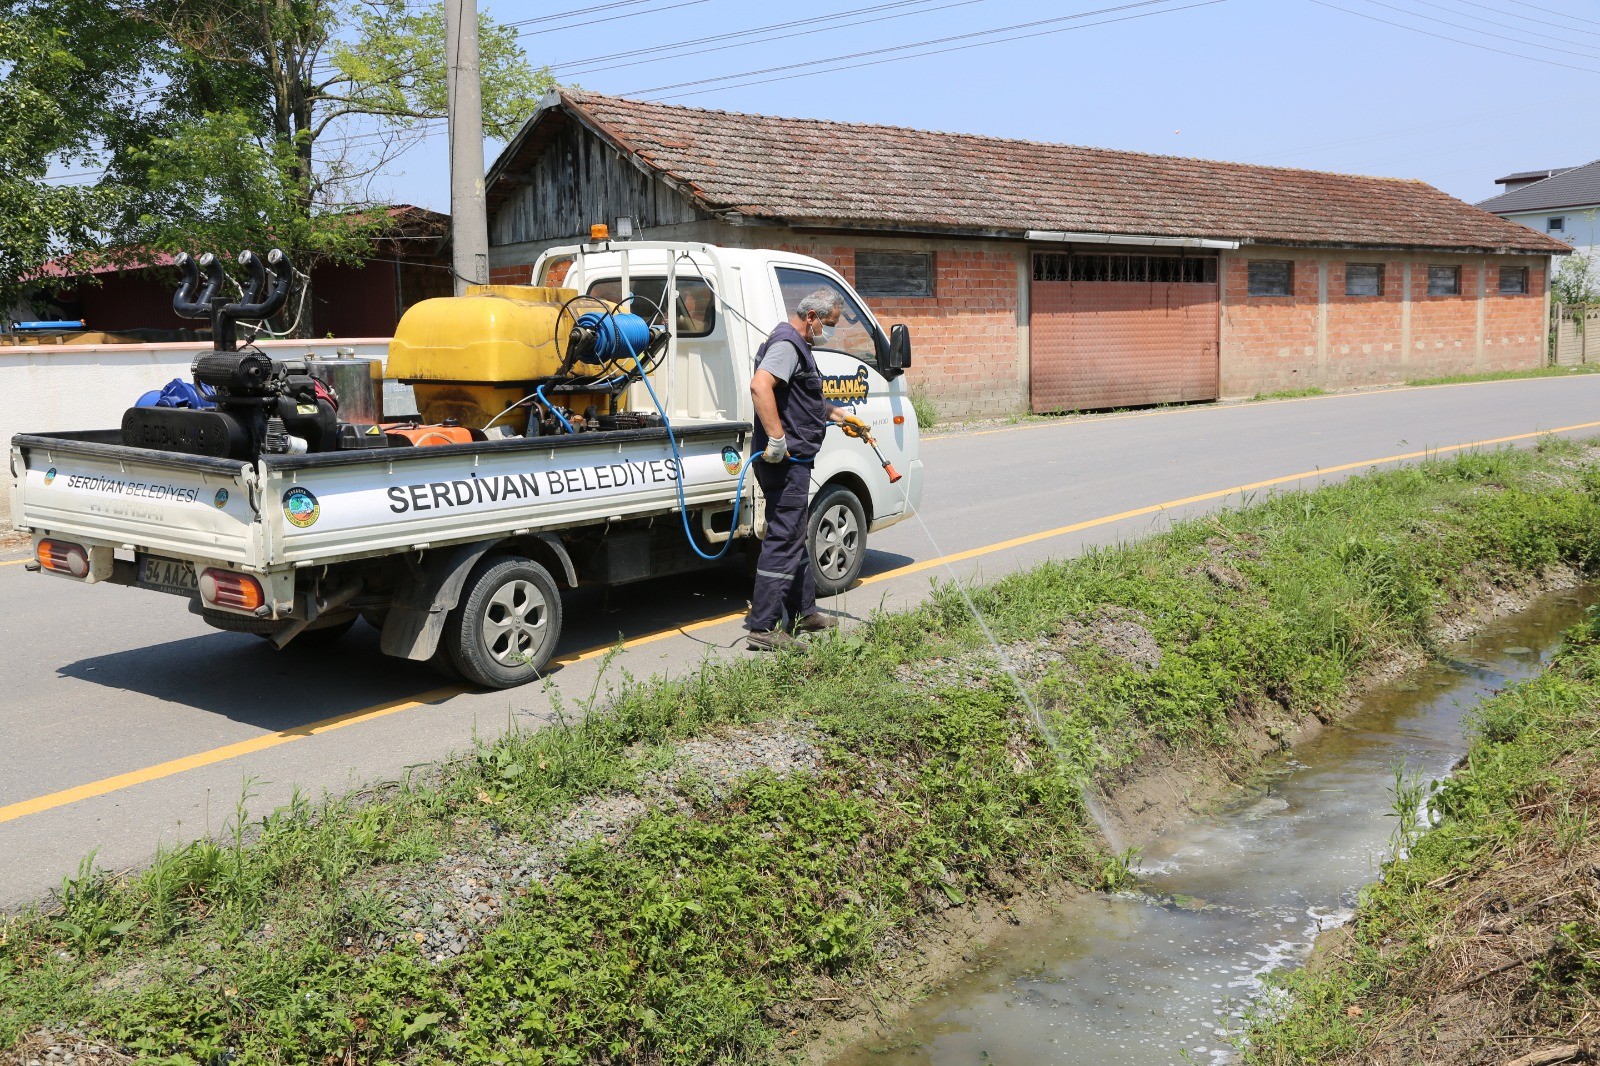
x: 1506, y: 375
x: 1291, y: 394
x: 689, y: 941
x: 1512, y: 824
x: 927, y: 414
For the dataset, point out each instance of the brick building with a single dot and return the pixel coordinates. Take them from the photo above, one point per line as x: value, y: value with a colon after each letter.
x: 1053, y: 277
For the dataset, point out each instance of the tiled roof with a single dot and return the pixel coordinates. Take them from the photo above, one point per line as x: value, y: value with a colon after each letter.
x: 1531, y: 175
x: 1578, y: 187
x: 812, y: 172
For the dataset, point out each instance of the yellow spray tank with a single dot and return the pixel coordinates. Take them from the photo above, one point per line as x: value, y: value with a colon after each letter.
x: 471, y: 357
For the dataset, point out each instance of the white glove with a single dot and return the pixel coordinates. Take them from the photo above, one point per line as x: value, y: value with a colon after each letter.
x: 777, y: 450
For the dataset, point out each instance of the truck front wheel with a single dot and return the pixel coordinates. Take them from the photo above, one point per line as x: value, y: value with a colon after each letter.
x: 836, y: 537
x: 505, y: 628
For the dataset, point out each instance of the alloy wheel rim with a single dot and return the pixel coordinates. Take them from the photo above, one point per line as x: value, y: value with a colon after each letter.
x: 838, y: 540
x: 514, y: 622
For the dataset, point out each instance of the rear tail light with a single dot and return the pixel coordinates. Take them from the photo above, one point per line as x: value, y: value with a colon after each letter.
x: 63, y: 557
x: 224, y: 588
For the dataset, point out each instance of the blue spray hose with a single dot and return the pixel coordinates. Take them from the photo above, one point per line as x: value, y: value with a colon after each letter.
x: 608, y: 336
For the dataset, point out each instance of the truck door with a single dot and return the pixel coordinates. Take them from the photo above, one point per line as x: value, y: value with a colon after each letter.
x: 848, y: 361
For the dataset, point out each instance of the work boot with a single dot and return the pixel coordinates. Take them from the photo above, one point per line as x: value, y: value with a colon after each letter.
x: 769, y: 640
x: 816, y: 622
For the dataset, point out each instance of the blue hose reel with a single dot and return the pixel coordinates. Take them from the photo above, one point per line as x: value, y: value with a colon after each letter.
x: 616, y: 334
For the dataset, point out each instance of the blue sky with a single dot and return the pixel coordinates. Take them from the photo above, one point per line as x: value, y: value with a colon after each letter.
x: 1283, y: 82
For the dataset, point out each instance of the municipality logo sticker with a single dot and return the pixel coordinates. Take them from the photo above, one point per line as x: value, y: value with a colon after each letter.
x: 730, y: 460
x: 221, y: 499
x: 300, y: 507
x: 49, y: 475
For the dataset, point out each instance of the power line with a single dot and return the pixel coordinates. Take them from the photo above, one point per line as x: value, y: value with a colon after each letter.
x: 1530, y: 18
x: 790, y: 24
x: 567, y: 14
x: 1503, y: 25
x: 586, y: 23
x: 1553, y: 11
x: 897, y: 48
x: 1485, y: 33
x: 1455, y: 40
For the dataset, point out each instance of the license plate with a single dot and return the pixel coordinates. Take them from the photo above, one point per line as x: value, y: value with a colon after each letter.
x: 167, y: 575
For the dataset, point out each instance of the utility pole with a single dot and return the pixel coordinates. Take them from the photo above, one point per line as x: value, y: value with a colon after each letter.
x: 469, y: 222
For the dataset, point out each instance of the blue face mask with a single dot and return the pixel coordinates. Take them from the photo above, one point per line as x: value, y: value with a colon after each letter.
x: 824, y: 334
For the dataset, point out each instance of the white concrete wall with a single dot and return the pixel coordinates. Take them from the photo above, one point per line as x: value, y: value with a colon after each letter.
x: 1582, y: 225
x: 48, y: 388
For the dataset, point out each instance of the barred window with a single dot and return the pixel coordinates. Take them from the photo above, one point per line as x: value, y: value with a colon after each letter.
x: 1513, y: 281
x: 1444, y: 281
x: 1271, y: 277
x: 1363, y: 279
x: 1156, y: 269
x: 894, y: 273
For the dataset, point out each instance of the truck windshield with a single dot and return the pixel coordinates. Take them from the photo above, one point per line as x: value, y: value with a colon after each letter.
x: 697, y: 311
x: 854, y: 334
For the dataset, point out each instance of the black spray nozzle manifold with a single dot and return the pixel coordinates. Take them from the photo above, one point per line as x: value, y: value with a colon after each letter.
x: 266, y: 290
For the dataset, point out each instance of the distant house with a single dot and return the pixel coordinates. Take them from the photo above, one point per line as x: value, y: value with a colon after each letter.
x: 1049, y: 276
x: 132, y: 298
x: 1563, y: 203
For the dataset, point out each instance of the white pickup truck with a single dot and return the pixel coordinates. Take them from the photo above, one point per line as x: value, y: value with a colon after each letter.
x: 457, y: 551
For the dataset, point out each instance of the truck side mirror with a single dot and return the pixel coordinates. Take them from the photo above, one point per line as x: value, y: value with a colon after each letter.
x: 899, y: 351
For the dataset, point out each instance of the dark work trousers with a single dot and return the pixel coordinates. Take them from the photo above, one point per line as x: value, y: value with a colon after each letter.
x: 783, y: 569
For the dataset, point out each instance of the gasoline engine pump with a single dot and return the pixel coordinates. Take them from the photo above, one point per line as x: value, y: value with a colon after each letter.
x: 262, y: 405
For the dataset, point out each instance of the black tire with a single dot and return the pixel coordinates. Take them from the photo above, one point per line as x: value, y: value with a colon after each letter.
x: 506, y: 626
x: 836, y: 537
x: 442, y: 664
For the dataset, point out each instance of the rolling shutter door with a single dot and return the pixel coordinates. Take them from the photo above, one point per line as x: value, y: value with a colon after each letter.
x: 1115, y: 330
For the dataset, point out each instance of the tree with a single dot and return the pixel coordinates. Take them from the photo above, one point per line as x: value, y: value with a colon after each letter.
x: 1577, y: 280
x: 55, y: 91
x: 227, y: 124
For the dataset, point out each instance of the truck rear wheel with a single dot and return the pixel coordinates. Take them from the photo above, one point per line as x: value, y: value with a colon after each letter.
x: 505, y: 628
x: 836, y: 537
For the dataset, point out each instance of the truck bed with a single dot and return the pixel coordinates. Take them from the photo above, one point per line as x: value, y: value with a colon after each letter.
x: 301, y: 510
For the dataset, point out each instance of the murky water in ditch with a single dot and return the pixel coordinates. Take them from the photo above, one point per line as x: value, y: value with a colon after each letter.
x: 1162, y: 975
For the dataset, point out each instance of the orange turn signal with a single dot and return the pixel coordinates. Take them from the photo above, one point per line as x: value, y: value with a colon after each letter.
x: 225, y: 588
x: 899, y: 420
x: 599, y: 232
x: 63, y: 557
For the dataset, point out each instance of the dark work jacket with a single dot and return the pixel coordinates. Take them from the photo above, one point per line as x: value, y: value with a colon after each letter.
x: 801, y: 408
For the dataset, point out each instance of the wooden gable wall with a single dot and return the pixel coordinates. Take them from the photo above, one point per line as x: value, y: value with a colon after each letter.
x: 578, y: 180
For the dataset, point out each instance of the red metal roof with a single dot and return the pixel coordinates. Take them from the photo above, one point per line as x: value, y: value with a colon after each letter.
x: 405, y: 220
x: 811, y: 172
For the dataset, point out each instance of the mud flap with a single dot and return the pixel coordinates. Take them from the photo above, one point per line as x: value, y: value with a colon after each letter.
x: 430, y: 591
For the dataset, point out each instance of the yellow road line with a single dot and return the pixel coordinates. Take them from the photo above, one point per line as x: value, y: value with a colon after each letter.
x: 272, y: 740
x: 207, y: 758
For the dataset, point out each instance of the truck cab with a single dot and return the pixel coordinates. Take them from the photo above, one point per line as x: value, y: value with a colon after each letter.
x: 725, y: 302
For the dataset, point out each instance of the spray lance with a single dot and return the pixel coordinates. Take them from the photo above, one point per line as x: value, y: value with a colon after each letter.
x: 857, y: 428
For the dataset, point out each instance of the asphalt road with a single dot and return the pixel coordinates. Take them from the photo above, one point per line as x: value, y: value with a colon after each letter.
x: 128, y: 724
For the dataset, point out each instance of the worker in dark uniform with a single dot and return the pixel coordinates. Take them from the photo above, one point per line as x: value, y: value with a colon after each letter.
x: 791, y: 417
